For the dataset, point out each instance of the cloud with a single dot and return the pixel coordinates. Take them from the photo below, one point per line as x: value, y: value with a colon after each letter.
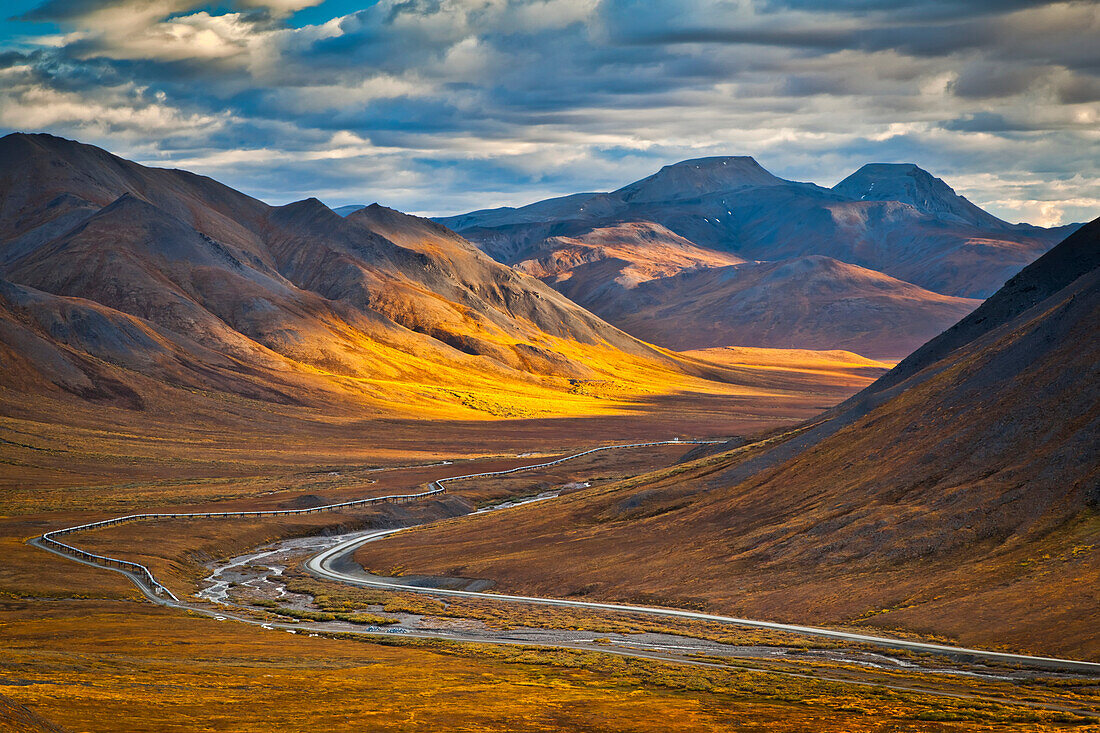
x: 30, y: 102
x: 91, y: 12
x: 445, y: 105
x: 984, y: 122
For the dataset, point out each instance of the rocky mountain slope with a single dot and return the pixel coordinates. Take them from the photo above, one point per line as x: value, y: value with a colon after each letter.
x: 959, y: 495
x: 896, y: 220
x: 909, y: 184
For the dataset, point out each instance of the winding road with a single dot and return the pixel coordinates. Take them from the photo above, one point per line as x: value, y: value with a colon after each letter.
x: 324, y: 565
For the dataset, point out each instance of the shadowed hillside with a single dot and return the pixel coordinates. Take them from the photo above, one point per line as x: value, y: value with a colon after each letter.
x: 810, y: 302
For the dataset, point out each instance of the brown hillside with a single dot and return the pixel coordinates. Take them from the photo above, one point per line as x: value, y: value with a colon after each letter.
x: 810, y: 302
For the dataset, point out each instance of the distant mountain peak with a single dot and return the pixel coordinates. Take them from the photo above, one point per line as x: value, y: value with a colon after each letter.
x: 407, y: 230
x: 698, y: 177
x: 896, y: 169
x: 743, y: 162
x: 872, y: 179
x: 132, y: 206
x: 310, y: 207
x: 309, y: 203
x: 376, y: 212
x: 13, y: 138
x: 348, y: 209
x: 911, y: 184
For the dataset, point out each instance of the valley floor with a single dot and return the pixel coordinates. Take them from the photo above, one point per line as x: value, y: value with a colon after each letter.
x: 77, y: 663
x: 86, y: 653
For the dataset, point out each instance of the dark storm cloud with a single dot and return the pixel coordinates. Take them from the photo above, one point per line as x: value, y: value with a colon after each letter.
x: 60, y: 10
x: 992, y: 81
x: 1078, y: 90
x: 929, y: 10
x: 919, y: 40
x: 984, y: 122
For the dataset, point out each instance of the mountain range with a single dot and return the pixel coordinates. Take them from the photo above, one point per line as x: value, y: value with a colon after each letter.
x: 878, y: 264
x: 170, y: 273
x: 118, y: 281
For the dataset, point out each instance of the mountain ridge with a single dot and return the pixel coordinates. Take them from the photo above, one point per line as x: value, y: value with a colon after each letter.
x: 293, y: 286
x: 910, y: 184
x: 918, y: 231
x: 698, y: 177
x: 802, y: 302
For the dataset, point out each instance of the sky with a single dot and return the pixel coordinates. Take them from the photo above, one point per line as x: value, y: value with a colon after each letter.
x: 445, y: 106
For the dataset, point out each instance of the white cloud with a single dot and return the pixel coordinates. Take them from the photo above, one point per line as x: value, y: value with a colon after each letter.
x: 317, y: 97
x: 547, y: 14
x: 199, y: 36
x: 121, y: 113
x: 1047, y: 213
